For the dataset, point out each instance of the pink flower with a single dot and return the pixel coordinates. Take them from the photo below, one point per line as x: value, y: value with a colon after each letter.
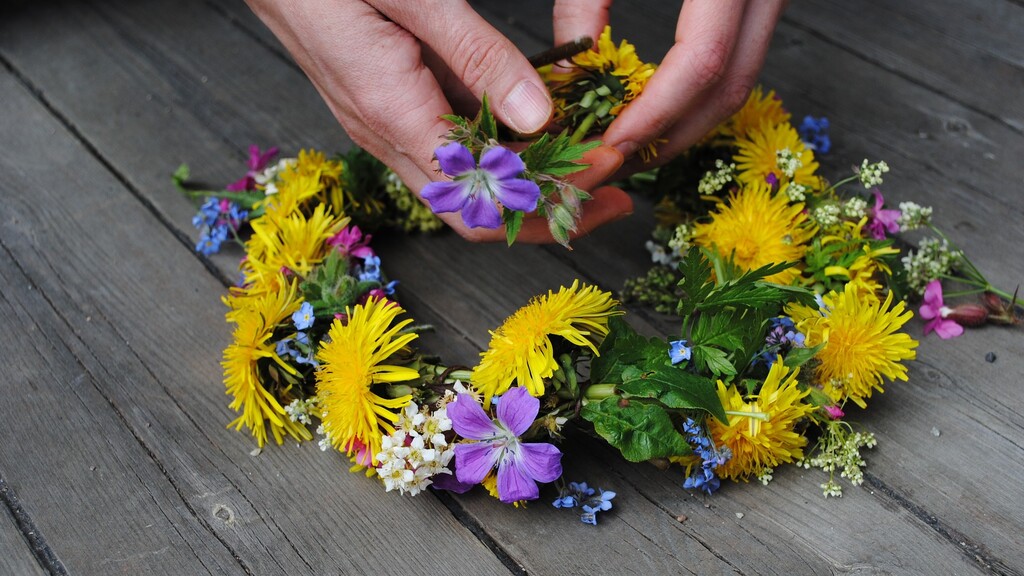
x: 351, y: 242
x: 834, y: 412
x: 257, y: 162
x: 933, y: 310
x: 882, y: 221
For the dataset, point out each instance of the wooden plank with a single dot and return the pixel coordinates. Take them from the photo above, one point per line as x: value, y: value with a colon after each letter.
x: 16, y: 555
x: 541, y: 550
x: 975, y: 58
x: 134, y: 326
x: 792, y: 68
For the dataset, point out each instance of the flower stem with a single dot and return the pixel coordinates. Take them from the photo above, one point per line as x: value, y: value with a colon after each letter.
x: 599, y: 391
x: 762, y: 416
x: 584, y: 127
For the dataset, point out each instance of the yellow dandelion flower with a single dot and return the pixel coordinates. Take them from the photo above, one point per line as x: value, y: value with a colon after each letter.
x: 354, y: 416
x: 758, y: 109
x: 310, y: 176
x: 295, y: 243
x: 758, y: 153
x: 255, y: 318
x: 757, y: 228
x: 521, y: 349
x: 600, y: 84
x: 767, y: 437
x: 862, y: 342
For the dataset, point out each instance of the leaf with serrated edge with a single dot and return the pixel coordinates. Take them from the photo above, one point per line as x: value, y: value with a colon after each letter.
x: 640, y: 431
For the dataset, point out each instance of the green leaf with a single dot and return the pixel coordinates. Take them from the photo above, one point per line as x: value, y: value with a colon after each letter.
x: 555, y: 156
x: 623, y: 348
x: 513, y: 223
x: 640, y: 431
x: 715, y: 360
x: 485, y: 120
x: 676, y: 388
x: 797, y: 357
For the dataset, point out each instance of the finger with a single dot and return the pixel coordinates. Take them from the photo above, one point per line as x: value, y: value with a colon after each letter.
x: 607, y: 205
x: 706, y: 35
x: 480, y: 56
x: 575, y: 18
x: 725, y: 98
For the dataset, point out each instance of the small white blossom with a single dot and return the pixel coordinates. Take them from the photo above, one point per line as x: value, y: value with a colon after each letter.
x: 765, y: 476
x: 713, y: 181
x: 300, y: 410
x: 826, y: 215
x: 933, y: 258
x: 914, y: 216
x: 797, y: 192
x: 659, y: 255
x: 871, y: 174
x: 855, y: 208
x: 788, y: 162
x: 416, y: 451
x: 680, y: 241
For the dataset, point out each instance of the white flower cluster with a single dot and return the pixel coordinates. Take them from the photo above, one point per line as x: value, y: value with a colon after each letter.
x: 933, y: 258
x: 301, y: 410
x: 797, y: 192
x: 855, y: 208
x: 766, y: 476
x: 268, y: 178
x: 788, y: 162
x: 914, y: 216
x: 840, y: 450
x: 680, y: 241
x: 659, y: 255
x: 714, y: 181
x: 826, y: 215
x: 871, y: 174
x: 416, y: 451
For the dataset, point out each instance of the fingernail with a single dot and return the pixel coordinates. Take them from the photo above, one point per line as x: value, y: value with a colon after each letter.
x: 626, y: 148
x: 527, y: 108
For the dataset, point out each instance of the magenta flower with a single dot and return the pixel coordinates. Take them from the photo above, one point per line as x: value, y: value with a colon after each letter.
x: 257, y: 162
x: 834, y: 412
x: 882, y: 221
x: 474, y: 189
x: 933, y: 310
x: 520, y: 465
x: 351, y: 242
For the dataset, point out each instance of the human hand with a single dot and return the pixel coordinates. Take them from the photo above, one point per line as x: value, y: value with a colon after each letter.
x: 706, y: 75
x: 389, y: 69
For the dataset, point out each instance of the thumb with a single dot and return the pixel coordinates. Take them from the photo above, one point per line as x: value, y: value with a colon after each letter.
x: 481, y: 57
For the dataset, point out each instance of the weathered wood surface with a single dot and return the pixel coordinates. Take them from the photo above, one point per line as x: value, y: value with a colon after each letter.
x: 117, y: 328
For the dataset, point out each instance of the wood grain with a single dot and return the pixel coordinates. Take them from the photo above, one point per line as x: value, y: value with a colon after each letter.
x: 144, y: 86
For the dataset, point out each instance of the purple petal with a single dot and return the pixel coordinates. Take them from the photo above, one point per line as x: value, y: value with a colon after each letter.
x: 446, y: 196
x: 927, y: 311
x: 469, y: 419
x: 514, y: 483
x: 933, y: 294
x: 543, y: 462
x: 476, y: 460
x: 947, y: 329
x: 480, y: 212
x: 454, y: 159
x: 502, y: 163
x: 449, y: 482
x: 518, y: 194
x: 517, y: 410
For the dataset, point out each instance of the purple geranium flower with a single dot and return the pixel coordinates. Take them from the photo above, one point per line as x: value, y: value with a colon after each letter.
x: 474, y: 189
x: 935, y: 311
x: 520, y: 465
x: 257, y: 162
x: 882, y: 221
